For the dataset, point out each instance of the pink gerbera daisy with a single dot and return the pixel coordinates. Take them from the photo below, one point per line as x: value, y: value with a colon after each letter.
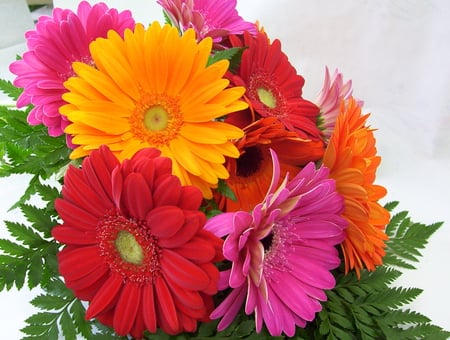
x: 209, y: 18
x: 55, y: 43
x: 282, y: 252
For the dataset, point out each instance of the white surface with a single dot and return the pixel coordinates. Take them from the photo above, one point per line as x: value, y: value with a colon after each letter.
x: 397, y: 54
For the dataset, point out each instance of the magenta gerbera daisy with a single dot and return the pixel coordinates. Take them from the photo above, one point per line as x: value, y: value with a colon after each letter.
x: 209, y: 18
x: 282, y: 252
x: 135, y: 246
x: 53, y: 45
x: 273, y: 87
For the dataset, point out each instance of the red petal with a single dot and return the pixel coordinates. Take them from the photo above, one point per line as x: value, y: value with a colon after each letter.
x: 75, y: 216
x: 165, y: 221
x: 182, y: 271
x: 76, y: 262
x: 105, y: 298
x: 148, y: 308
x: 75, y: 236
x: 136, y: 196
x: 213, y: 274
x: 78, y: 191
x: 166, y: 312
x: 194, y: 220
x: 137, y: 331
x: 189, y: 298
x: 188, y: 324
x: 191, y: 198
x: 98, y: 167
x: 197, y: 250
x: 127, y: 308
x: 168, y: 190
x: 89, y: 281
x: 116, y: 186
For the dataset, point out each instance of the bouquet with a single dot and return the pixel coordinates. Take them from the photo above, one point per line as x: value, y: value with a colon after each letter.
x: 189, y: 190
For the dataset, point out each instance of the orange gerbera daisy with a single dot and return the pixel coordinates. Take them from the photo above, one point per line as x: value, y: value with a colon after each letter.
x: 352, y: 158
x: 153, y: 88
x: 251, y: 173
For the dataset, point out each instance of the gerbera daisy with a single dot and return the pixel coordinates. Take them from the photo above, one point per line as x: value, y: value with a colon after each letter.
x: 352, y: 158
x: 282, y: 252
x: 154, y: 89
x: 135, y: 246
x: 273, y: 87
x: 334, y: 90
x: 251, y: 173
x: 209, y: 18
x: 53, y: 45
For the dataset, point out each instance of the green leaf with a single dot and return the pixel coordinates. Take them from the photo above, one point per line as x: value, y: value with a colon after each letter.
x: 49, y: 302
x: 225, y: 190
x: 78, y: 311
x: 42, y: 318
x: 12, y: 248
x: 233, y: 55
x: 9, y: 89
x: 22, y: 233
x: 35, y: 270
x: 67, y: 326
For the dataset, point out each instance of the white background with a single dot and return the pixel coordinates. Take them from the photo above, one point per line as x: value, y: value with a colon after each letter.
x: 398, y: 55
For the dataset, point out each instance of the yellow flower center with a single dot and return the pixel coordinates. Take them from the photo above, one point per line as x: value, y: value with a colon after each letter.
x: 156, y: 118
x: 128, y: 248
x: 267, y: 97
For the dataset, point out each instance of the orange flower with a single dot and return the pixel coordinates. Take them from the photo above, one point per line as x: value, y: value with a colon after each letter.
x: 251, y: 173
x: 352, y: 158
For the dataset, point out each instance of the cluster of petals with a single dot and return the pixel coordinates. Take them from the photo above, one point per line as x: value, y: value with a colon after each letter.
x: 352, y: 158
x: 333, y: 91
x: 56, y: 42
x: 209, y: 18
x: 135, y: 246
x: 282, y: 252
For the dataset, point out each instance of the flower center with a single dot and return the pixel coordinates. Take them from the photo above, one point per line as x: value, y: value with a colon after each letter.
x: 156, y: 120
x: 128, y: 248
x: 266, y: 97
x: 266, y: 94
x: 277, y: 246
x: 249, y: 162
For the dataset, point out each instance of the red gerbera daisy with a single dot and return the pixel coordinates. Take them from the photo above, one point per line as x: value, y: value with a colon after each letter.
x: 135, y: 244
x: 273, y: 86
x: 251, y: 173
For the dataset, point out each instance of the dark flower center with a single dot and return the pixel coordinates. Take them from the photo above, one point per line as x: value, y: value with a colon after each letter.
x: 267, y: 241
x: 249, y: 162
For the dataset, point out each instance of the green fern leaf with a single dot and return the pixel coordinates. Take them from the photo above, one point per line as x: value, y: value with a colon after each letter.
x: 9, y: 89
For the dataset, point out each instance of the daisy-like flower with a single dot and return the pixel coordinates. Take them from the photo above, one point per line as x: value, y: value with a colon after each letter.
x: 209, y: 18
x: 273, y: 87
x: 135, y: 246
x: 53, y: 45
x: 352, y: 158
x: 334, y: 90
x: 251, y: 173
x: 282, y: 252
x: 154, y: 89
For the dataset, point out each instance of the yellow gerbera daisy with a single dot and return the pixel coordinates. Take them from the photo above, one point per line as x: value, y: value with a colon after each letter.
x: 153, y: 88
